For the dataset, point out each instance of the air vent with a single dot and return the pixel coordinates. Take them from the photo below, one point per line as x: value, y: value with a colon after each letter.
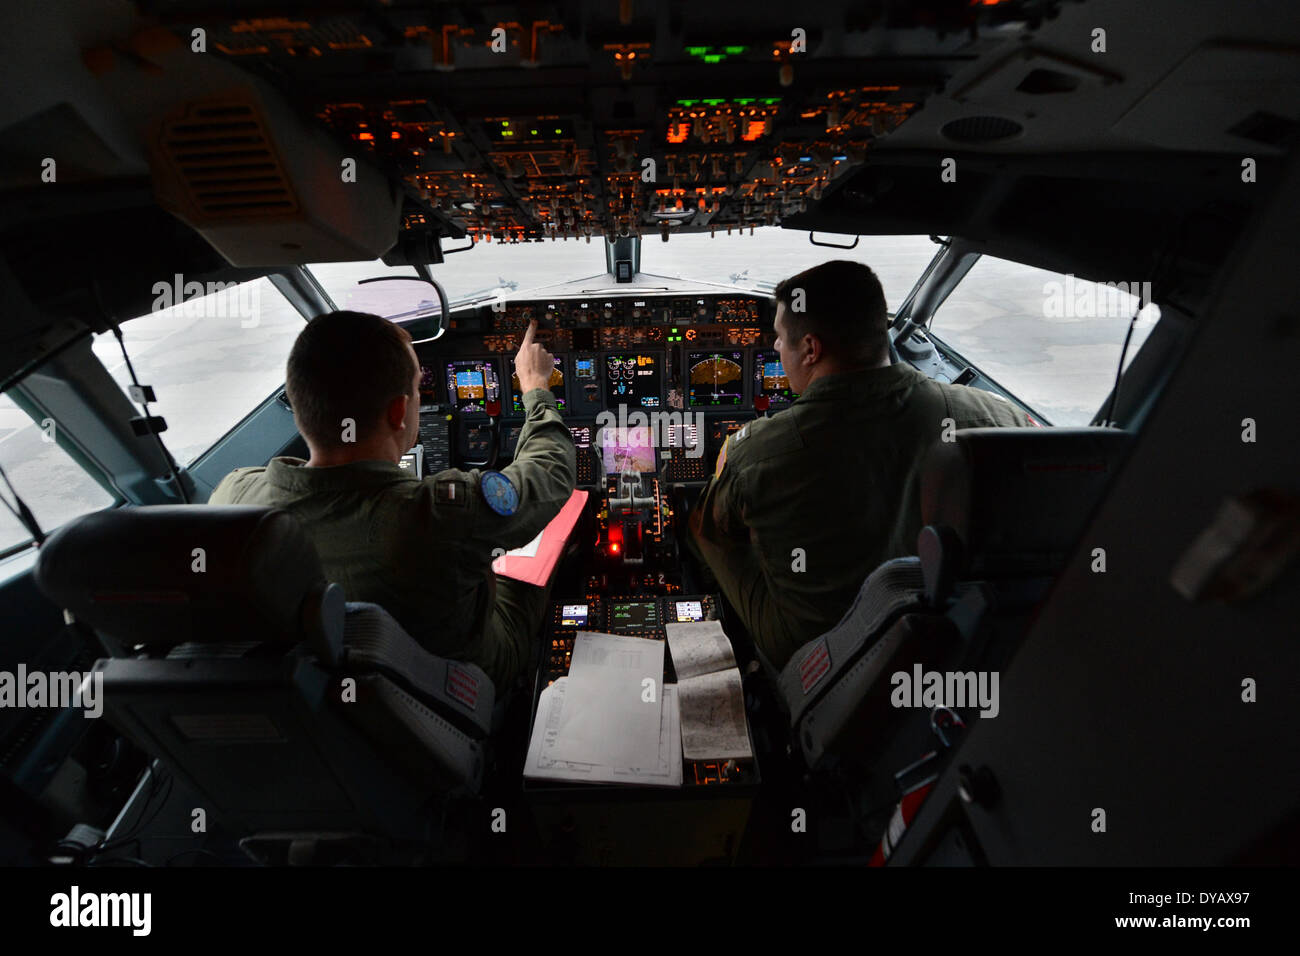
x: 226, y: 163
x: 981, y: 129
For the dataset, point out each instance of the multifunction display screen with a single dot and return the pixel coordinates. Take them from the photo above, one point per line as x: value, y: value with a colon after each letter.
x: 717, y: 379
x: 770, y: 379
x: 634, y: 379
x: 472, y: 383
x: 635, y: 614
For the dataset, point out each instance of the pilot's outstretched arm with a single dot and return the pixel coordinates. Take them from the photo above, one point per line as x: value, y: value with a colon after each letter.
x: 543, y: 475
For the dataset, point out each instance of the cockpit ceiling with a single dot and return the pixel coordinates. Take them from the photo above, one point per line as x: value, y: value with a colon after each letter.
x: 570, y: 121
x: 586, y: 119
x: 597, y: 118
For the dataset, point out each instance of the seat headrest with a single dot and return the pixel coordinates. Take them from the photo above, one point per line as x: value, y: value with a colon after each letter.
x: 1018, y: 497
x: 167, y: 574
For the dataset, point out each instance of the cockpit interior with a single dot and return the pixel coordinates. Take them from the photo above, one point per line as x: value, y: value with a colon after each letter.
x: 1085, y: 208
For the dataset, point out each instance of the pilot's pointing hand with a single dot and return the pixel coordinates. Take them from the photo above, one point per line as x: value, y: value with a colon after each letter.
x: 533, y: 364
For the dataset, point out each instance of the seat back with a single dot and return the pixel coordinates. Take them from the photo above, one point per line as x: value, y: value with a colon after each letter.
x: 242, y: 681
x: 1006, y: 505
x: 1002, y: 509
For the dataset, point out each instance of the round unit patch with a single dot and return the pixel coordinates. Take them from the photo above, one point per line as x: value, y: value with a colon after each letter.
x: 501, y: 496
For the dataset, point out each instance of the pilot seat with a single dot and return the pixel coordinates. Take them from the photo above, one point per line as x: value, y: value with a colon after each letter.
x: 1002, y: 510
x: 305, y: 725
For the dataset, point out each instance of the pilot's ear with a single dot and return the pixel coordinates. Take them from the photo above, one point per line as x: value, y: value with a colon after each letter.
x: 395, y: 414
x: 813, y: 349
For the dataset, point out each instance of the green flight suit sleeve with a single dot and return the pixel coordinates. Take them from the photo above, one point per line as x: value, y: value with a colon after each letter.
x: 717, y: 523
x: 544, y: 473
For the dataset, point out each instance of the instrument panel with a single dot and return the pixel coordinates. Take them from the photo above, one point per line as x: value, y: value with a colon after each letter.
x: 646, y: 380
x: 667, y: 352
x: 704, y: 361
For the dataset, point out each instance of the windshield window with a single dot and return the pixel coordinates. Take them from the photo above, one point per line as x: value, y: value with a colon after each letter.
x: 1051, y: 340
x: 48, y: 479
x: 770, y: 255
x: 210, y: 359
x: 756, y: 262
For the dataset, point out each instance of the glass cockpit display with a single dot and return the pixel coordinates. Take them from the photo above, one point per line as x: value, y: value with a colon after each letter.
x: 770, y: 379
x: 556, y: 385
x: 634, y: 379
x: 472, y: 383
x: 717, y: 379
x: 625, y: 450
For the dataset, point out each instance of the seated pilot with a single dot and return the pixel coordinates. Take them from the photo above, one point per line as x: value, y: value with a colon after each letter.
x: 421, y: 549
x: 803, y: 505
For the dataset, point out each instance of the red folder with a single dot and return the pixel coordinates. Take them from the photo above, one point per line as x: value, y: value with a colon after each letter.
x: 537, y: 569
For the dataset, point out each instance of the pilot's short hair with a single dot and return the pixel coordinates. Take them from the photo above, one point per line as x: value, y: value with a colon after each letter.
x: 843, y: 304
x: 346, y: 365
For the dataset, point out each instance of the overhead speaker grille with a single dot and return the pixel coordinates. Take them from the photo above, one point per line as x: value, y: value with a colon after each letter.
x: 981, y: 129
x: 226, y: 163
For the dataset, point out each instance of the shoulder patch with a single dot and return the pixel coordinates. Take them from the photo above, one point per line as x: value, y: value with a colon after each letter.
x: 449, y: 491
x: 499, y: 492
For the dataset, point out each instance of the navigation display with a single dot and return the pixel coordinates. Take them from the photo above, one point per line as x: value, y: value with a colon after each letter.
x: 581, y: 435
x: 472, y: 383
x: 634, y: 379
x: 627, y: 450
x: 717, y: 379
x: 770, y: 379
x: 634, y: 614
x: 556, y: 384
x: 573, y: 615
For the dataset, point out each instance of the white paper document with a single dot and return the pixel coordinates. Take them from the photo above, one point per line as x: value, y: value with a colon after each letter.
x: 613, y: 702
x: 710, y: 694
x: 541, y: 763
x: 699, y: 647
x: 713, y: 716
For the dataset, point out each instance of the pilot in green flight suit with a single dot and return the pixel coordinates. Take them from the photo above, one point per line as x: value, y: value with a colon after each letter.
x: 422, y: 549
x: 805, y: 504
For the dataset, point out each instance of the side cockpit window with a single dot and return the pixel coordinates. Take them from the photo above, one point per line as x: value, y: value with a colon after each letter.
x: 54, y: 486
x: 1052, y: 340
x: 209, y: 358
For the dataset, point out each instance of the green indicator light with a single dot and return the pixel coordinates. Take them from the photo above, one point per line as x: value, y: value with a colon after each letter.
x: 697, y: 50
x: 744, y: 100
x: 687, y: 102
x: 714, y: 57
x: 507, y: 132
x: 557, y: 130
x: 734, y: 50
x: 533, y: 132
x: 713, y: 101
x: 505, y: 122
x: 771, y: 100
